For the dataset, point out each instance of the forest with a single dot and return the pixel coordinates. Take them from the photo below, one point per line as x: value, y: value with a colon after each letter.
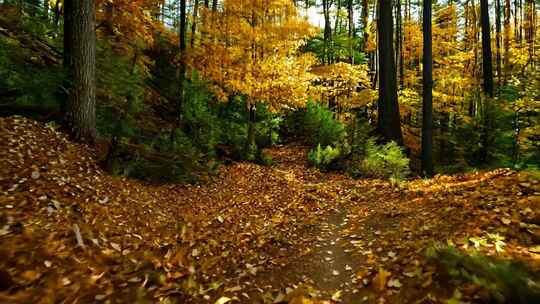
x: 269, y: 151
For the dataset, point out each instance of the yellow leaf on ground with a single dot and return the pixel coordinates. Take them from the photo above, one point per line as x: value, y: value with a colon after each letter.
x: 223, y: 300
x: 379, y: 283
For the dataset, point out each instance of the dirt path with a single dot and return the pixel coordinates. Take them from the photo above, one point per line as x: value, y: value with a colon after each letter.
x: 327, y: 268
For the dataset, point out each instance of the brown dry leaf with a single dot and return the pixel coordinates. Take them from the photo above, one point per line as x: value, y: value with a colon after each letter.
x: 30, y: 275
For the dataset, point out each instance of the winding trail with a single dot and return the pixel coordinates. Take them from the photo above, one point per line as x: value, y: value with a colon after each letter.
x: 327, y: 266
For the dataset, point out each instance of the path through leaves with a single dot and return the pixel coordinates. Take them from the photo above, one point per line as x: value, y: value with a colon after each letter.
x: 287, y: 233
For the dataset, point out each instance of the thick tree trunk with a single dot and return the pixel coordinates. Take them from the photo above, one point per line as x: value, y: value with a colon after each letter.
x: 427, y: 100
x: 487, y: 67
x: 487, y: 57
x: 389, y: 125
x: 81, y: 108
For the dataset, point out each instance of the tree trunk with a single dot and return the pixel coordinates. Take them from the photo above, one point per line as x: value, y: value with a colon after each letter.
x: 507, y: 39
x: 427, y: 100
x: 182, y: 65
x: 364, y: 17
x: 327, y: 31
x: 350, y: 13
x: 338, y: 18
x: 194, y: 22
x: 57, y: 12
x: 399, y: 43
x: 251, y: 145
x: 487, y: 60
x: 498, y: 40
x: 81, y: 108
x: 389, y: 125
x: 529, y: 27
x: 46, y: 10
x: 487, y: 67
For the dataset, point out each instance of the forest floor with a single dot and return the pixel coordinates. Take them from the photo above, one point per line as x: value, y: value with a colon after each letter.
x: 286, y: 233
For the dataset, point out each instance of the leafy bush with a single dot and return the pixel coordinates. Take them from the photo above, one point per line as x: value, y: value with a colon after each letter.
x: 506, y: 281
x: 386, y: 161
x: 315, y: 125
x: 292, y: 127
x: 168, y: 157
x: 323, y: 158
x: 320, y: 126
x: 359, y: 132
x: 183, y: 155
x: 268, y: 131
x: 200, y: 119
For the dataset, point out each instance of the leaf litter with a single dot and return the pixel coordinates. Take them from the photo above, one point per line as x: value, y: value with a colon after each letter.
x: 285, y: 234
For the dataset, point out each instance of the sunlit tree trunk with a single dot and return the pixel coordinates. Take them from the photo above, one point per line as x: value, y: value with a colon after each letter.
x: 81, y: 108
x: 399, y: 42
x: 498, y: 38
x: 507, y: 39
x: 364, y: 19
x: 389, y: 125
x: 516, y: 20
x: 529, y: 27
x: 427, y: 100
x: 337, y: 21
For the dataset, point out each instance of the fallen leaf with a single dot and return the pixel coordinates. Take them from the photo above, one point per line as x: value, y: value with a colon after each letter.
x: 394, y: 283
x: 223, y: 300
x: 380, y: 279
x: 116, y: 247
x: 336, y: 297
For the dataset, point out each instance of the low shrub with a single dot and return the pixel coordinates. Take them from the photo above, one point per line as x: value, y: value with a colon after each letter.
x: 320, y: 126
x: 323, y: 158
x: 381, y: 161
